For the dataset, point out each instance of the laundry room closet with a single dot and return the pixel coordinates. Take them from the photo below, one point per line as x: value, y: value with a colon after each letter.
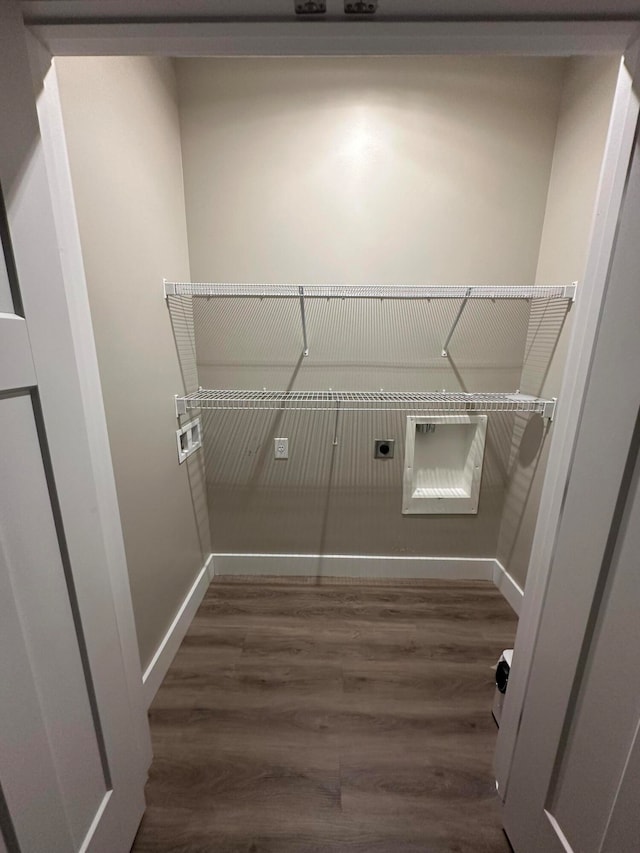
x: 332, y: 300
x: 378, y: 176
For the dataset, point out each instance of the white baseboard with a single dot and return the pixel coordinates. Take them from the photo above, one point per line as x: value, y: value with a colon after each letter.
x: 343, y: 565
x: 347, y: 565
x: 161, y: 661
x: 509, y: 588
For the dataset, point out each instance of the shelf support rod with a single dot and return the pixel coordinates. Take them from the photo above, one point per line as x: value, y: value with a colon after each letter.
x: 445, y: 346
x: 305, y: 350
x: 335, y: 426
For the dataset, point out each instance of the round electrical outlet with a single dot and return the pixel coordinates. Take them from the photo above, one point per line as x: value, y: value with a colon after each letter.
x: 384, y: 448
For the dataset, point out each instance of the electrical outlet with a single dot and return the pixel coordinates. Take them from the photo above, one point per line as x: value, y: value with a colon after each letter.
x: 383, y: 448
x: 280, y: 448
x: 189, y: 439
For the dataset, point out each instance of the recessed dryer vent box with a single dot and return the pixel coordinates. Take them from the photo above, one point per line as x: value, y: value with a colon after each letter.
x: 443, y: 463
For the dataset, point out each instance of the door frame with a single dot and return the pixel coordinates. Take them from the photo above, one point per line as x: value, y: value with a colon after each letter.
x: 112, y: 557
x: 94, y: 598
x: 69, y: 390
x: 598, y: 506
x: 280, y: 38
x: 580, y: 356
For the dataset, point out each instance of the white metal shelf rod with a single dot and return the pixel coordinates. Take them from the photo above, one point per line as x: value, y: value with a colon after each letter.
x: 305, y: 345
x: 445, y: 346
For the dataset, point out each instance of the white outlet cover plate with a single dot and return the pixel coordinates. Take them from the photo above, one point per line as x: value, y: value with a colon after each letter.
x: 280, y: 448
x: 189, y: 438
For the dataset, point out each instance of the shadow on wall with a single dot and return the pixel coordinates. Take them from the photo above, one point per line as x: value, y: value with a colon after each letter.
x: 530, y: 444
x: 546, y: 321
x: 182, y: 324
x: 184, y: 336
x: 196, y: 474
x: 360, y: 344
x: 326, y: 498
x: 331, y: 496
x: 529, y: 440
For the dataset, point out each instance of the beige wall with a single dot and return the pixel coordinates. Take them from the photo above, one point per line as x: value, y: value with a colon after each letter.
x: 121, y: 123
x: 582, y: 130
x: 390, y: 170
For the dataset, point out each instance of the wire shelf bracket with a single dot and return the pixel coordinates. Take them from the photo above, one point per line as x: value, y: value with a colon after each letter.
x: 445, y: 346
x: 568, y: 291
x: 358, y: 401
x: 181, y: 405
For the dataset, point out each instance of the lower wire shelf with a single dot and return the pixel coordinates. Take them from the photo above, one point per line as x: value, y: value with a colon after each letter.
x: 358, y: 401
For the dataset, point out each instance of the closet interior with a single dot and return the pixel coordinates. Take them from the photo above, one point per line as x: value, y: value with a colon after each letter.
x: 331, y: 301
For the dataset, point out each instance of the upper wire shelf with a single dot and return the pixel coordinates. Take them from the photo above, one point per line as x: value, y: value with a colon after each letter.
x: 370, y: 291
x: 302, y: 292
x: 356, y: 401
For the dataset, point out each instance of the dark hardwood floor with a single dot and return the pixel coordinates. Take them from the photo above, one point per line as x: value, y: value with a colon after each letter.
x: 330, y: 717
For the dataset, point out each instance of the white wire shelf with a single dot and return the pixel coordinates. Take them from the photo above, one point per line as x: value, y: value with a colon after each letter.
x: 369, y: 291
x: 302, y: 292
x: 356, y: 401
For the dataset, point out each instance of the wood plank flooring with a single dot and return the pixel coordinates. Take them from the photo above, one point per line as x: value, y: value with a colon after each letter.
x: 330, y: 717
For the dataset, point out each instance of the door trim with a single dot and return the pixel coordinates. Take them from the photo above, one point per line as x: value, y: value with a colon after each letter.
x: 343, y: 38
x: 113, y: 556
x: 223, y: 39
x: 71, y: 420
x: 571, y: 402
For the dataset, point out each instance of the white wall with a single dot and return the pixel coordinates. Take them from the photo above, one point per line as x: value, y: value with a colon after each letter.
x: 582, y: 130
x: 121, y: 123
x: 423, y: 169
x: 390, y: 170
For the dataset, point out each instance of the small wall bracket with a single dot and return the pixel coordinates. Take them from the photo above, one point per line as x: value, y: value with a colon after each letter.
x: 169, y: 288
x: 181, y: 405
x: 570, y: 291
x: 550, y: 409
